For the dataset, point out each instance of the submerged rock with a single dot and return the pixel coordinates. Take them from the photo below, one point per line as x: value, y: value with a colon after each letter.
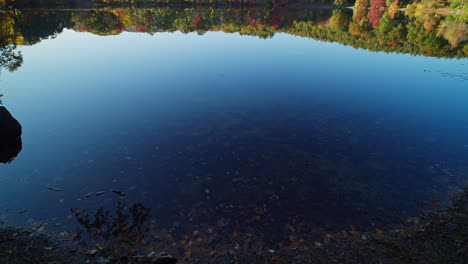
x: 10, y: 136
x: 164, y: 258
x: 161, y: 258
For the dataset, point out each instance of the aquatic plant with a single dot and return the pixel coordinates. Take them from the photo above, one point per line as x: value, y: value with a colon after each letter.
x: 114, y: 234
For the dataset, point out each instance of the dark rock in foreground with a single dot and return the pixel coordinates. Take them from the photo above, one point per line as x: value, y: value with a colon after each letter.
x: 10, y: 136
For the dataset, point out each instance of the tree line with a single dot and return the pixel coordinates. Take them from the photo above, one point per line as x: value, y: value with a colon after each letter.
x: 413, y: 4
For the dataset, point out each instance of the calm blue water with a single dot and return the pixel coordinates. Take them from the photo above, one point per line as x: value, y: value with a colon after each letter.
x: 191, y: 125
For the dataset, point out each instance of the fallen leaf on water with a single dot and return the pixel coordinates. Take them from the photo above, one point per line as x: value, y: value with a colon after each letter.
x: 53, y: 189
x: 73, y: 237
x: 92, y: 252
x: 76, y: 210
x: 118, y: 192
x: 132, y: 249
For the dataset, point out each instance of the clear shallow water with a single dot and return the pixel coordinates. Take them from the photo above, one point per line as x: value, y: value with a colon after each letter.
x: 229, y: 130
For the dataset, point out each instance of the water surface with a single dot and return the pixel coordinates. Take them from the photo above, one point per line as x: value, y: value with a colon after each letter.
x: 232, y: 131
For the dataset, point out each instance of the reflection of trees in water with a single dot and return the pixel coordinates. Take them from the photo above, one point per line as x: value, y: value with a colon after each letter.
x: 10, y: 58
x: 27, y: 28
x: 117, y: 232
x: 373, y: 29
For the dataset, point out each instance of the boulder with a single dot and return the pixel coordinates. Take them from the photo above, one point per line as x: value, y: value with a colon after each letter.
x: 10, y: 136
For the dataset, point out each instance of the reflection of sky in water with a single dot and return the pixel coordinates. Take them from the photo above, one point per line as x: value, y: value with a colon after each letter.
x: 166, y: 117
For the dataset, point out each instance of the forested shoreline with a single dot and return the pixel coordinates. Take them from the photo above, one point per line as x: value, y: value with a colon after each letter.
x: 408, y: 4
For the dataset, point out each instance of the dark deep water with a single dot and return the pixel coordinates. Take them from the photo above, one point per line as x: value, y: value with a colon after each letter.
x: 231, y: 131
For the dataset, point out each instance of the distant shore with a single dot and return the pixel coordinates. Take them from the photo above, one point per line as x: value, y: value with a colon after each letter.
x: 441, y: 11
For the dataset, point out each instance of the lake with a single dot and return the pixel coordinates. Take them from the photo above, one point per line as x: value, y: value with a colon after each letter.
x: 280, y: 124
